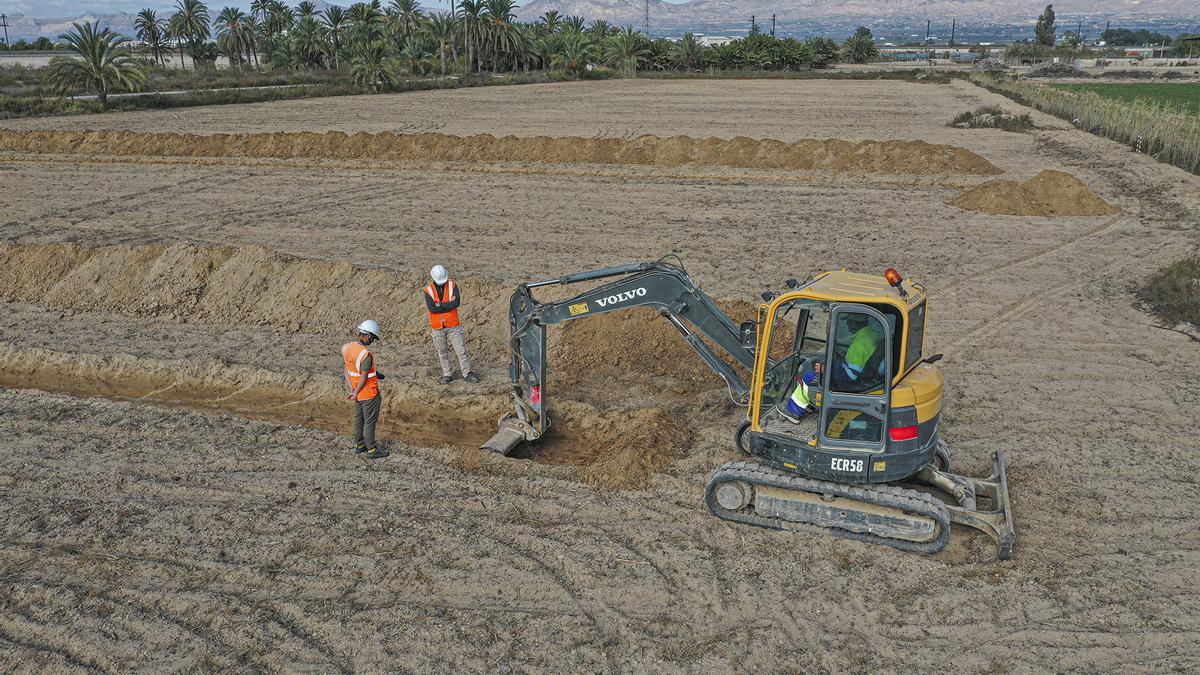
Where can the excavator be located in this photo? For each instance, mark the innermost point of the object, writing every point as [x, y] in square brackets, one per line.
[842, 405]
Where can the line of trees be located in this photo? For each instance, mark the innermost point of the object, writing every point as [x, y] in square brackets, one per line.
[379, 42]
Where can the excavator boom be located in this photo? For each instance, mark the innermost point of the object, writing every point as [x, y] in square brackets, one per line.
[661, 285]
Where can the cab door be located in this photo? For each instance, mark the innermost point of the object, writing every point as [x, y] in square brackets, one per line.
[856, 381]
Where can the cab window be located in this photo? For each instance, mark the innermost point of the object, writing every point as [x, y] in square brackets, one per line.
[859, 351]
[916, 335]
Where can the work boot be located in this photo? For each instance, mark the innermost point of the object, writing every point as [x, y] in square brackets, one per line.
[376, 453]
[447, 379]
[359, 449]
[472, 378]
[785, 414]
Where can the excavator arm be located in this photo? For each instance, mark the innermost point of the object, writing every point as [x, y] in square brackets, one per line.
[664, 286]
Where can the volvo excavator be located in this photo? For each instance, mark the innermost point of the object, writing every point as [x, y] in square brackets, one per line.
[842, 405]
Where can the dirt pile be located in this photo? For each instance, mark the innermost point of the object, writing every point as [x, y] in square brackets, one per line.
[1056, 70]
[644, 443]
[236, 286]
[638, 342]
[1050, 193]
[895, 156]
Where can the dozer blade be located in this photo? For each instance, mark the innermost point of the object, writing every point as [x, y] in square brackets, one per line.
[513, 431]
[996, 521]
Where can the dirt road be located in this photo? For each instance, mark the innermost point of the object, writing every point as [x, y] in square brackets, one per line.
[179, 490]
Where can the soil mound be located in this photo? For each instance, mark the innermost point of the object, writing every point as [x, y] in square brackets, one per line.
[1050, 193]
[893, 156]
[645, 443]
[637, 342]
[234, 286]
[1056, 70]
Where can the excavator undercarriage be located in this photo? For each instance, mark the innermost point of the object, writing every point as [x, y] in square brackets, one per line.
[896, 489]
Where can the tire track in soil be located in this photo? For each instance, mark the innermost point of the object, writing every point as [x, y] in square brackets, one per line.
[1103, 228]
[136, 598]
[64, 654]
[560, 580]
[301, 635]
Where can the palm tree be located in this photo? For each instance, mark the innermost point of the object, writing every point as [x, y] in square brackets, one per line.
[413, 57]
[600, 29]
[192, 16]
[500, 17]
[152, 31]
[628, 50]
[688, 52]
[860, 47]
[472, 25]
[442, 28]
[369, 70]
[573, 24]
[577, 52]
[408, 16]
[335, 20]
[550, 21]
[366, 24]
[250, 30]
[231, 34]
[259, 9]
[102, 67]
[309, 42]
[306, 8]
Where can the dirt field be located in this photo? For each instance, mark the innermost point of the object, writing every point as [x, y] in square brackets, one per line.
[179, 489]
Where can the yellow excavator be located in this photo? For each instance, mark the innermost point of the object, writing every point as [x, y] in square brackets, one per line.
[842, 406]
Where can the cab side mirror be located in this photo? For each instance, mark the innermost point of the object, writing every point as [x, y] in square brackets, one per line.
[749, 331]
[933, 359]
[792, 283]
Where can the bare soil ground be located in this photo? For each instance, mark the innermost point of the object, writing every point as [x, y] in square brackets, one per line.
[179, 492]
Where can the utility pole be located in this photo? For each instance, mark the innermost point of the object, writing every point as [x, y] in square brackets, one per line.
[4, 22]
[953, 25]
[646, 26]
[928, 54]
[772, 25]
[752, 24]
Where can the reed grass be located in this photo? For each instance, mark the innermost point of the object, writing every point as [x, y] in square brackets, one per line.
[1168, 133]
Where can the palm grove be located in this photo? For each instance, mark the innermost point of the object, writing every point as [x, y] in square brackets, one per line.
[376, 45]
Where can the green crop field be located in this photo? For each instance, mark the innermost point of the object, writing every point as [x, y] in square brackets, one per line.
[1175, 95]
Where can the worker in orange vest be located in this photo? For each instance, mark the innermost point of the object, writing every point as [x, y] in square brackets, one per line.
[442, 298]
[362, 383]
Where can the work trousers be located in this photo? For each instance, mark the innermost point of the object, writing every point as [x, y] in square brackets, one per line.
[455, 337]
[366, 414]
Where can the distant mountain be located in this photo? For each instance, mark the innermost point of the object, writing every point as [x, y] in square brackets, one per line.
[699, 12]
[21, 27]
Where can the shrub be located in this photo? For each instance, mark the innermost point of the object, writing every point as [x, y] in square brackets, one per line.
[992, 117]
[1173, 292]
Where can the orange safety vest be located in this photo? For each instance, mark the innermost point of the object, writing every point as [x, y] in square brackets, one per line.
[354, 353]
[445, 319]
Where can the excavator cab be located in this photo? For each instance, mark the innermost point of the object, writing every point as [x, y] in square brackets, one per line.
[840, 391]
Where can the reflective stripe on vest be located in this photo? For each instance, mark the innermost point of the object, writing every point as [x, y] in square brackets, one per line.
[441, 320]
[353, 354]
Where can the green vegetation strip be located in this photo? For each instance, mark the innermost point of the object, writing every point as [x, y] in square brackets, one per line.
[1157, 129]
[1182, 96]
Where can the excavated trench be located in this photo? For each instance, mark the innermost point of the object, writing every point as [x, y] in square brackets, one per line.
[610, 437]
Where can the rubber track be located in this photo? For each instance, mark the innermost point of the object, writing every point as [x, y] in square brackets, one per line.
[909, 501]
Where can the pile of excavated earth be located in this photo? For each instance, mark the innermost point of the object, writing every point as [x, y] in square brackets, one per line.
[879, 156]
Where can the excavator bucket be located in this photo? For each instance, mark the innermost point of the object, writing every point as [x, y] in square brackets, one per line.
[512, 433]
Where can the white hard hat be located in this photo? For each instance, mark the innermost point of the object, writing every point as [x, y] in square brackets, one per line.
[439, 274]
[369, 326]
